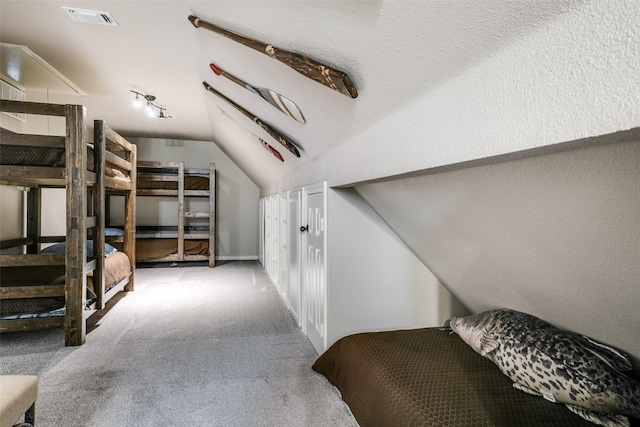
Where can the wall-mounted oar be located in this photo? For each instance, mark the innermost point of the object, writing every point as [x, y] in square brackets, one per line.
[323, 74]
[283, 104]
[264, 143]
[286, 142]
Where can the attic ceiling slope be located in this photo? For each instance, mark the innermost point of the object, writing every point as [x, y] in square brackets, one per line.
[571, 77]
[395, 52]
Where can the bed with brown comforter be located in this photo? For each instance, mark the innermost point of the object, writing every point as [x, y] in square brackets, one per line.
[117, 267]
[428, 377]
[149, 250]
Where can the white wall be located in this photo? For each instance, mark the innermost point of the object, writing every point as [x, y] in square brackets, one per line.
[11, 214]
[54, 217]
[374, 281]
[237, 196]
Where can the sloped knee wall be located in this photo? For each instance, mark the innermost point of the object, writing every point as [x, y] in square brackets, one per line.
[556, 235]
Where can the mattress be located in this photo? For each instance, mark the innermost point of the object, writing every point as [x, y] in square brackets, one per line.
[428, 377]
[150, 249]
[191, 182]
[117, 267]
[18, 155]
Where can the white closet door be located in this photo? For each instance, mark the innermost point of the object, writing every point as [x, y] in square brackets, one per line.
[315, 293]
[268, 235]
[275, 238]
[283, 280]
[295, 235]
[261, 230]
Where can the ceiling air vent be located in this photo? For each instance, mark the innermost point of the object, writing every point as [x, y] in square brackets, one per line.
[90, 16]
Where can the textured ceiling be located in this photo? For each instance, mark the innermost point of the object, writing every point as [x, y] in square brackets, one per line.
[393, 51]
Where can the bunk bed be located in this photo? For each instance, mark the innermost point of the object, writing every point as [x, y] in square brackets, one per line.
[42, 288]
[194, 236]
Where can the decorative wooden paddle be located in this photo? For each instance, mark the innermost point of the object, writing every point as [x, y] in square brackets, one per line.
[286, 142]
[323, 74]
[283, 104]
[264, 143]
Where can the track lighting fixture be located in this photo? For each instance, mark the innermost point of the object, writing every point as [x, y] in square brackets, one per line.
[162, 115]
[148, 101]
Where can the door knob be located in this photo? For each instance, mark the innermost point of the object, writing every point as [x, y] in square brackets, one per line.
[304, 228]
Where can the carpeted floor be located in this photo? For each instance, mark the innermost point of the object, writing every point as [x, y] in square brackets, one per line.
[190, 346]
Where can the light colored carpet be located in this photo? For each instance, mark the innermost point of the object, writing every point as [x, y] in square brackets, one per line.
[191, 346]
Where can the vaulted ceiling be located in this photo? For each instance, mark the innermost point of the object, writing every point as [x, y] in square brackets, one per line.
[393, 51]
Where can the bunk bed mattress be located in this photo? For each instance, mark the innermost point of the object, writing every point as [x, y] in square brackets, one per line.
[150, 249]
[116, 268]
[192, 182]
[428, 377]
[19, 155]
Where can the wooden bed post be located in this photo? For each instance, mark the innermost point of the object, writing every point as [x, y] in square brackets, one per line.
[99, 204]
[212, 215]
[130, 218]
[76, 238]
[34, 229]
[181, 211]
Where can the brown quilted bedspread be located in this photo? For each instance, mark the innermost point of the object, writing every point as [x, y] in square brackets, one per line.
[427, 377]
[149, 249]
[116, 268]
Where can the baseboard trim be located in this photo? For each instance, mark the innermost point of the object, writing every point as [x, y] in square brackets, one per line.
[237, 258]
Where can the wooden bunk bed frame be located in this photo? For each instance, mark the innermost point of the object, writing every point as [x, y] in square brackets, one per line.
[155, 172]
[85, 206]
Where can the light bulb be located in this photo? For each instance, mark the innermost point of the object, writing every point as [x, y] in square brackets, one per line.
[137, 102]
[149, 109]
